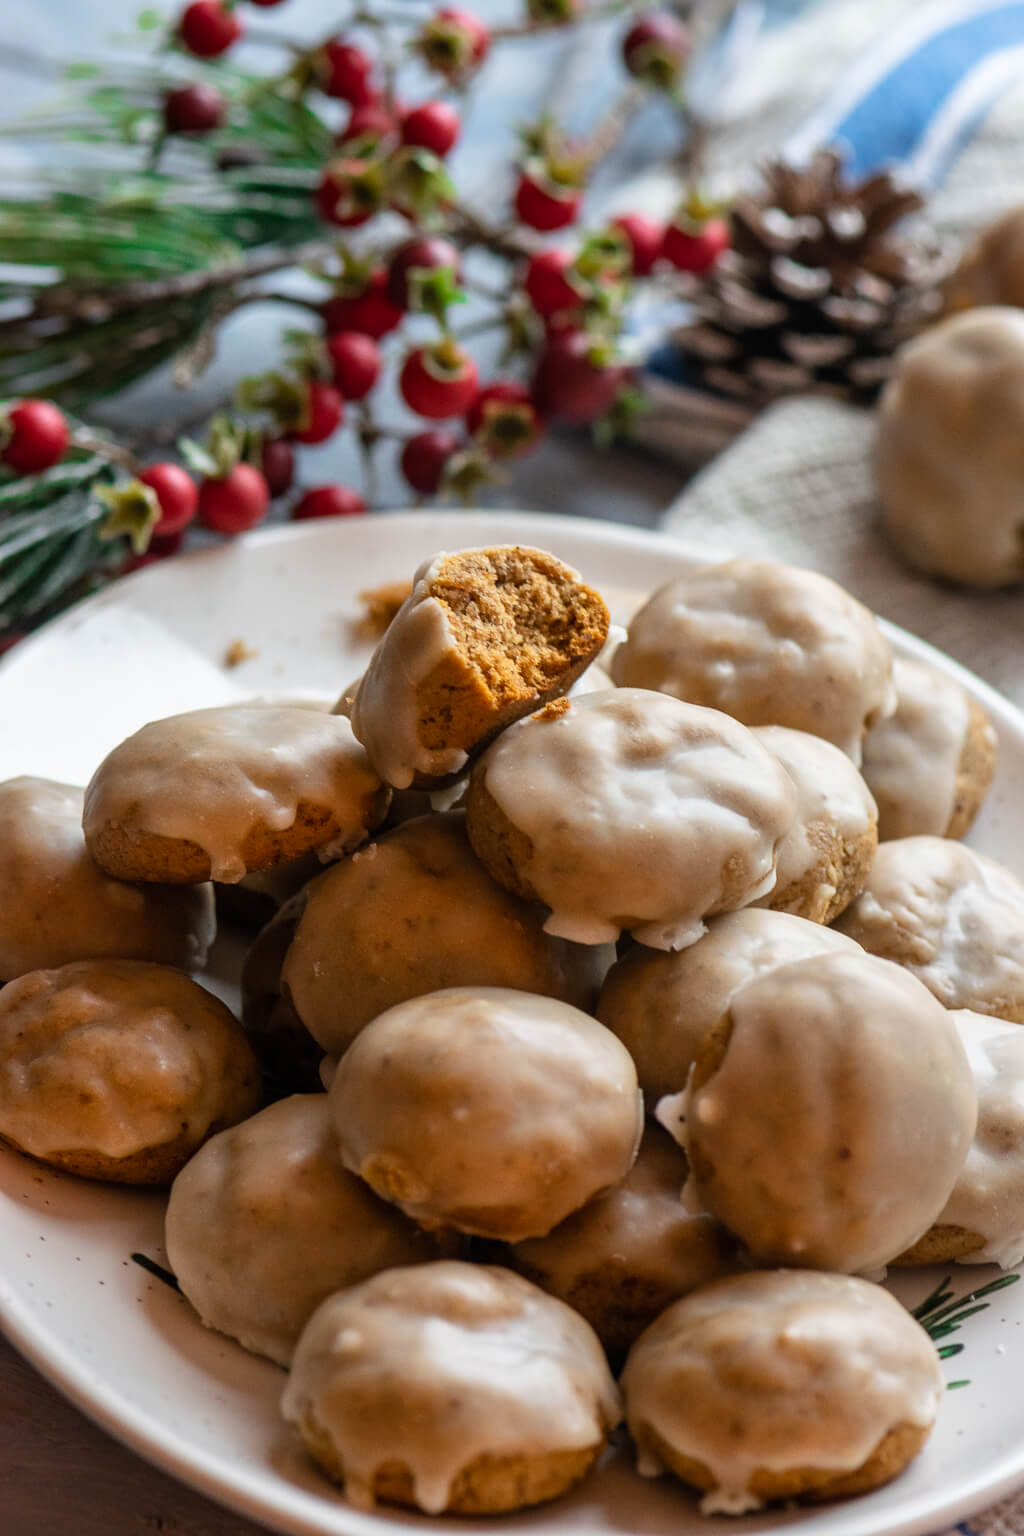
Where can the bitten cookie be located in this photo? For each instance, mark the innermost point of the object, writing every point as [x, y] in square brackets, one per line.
[453, 1388]
[119, 1070]
[769, 644]
[630, 809]
[492, 1111]
[221, 792]
[782, 1385]
[487, 635]
[930, 764]
[57, 905]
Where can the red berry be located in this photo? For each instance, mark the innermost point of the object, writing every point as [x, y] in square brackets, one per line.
[439, 381]
[655, 49]
[161, 546]
[235, 501]
[645, 238]
[267, 3]
[9, 640]
[328, 501]
[195, 108]
[355, 360]
[207, 29]
[373, 120]
[547, 205]
[547, 286]
[176, 492]
[425, 253]
[39, 437]
[570, 383]
[277, 462]
[349, 193]
[424, 458]
[346, 73]
[454, 42]
[505, 420]
[370, 311]
[432, 125]
[325, 412]
[695, 247]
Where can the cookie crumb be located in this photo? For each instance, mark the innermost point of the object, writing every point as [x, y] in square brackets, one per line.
[237, 652]
[553, 708]
[380, 604]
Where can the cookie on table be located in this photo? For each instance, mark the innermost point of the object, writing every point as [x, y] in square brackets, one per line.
[622, 1259]
[769, 644]
[451, 1388]
[844, 1084]
[951, 916]
[264, 1223]
[662, 1003]
[824, 858]
[486, 636]
[630, 810]
[495, 1112]
[782, 1384]
[57, 905]
[219, 793]
[930, 764]
[119, 1070]
[416, 912]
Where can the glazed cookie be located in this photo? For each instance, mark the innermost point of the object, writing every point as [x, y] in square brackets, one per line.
[824, 858]
[486, 636]
[951, 916]
[57, 905]
[769, 644]
[222, 792]
[492, 1111]
[661, 1005]
[930, 764]
[829, 1114]
[453, 1388]
[119, 1070]
[626, 1256]
[630, 809]
[270, 1201]
[991, 270]
[416, 912]
[287, 1053]
[782, 1385]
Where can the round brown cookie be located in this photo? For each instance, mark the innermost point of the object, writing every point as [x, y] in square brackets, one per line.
[451, 1387]
[118, 1070]
[782, 1384]
[57, 905]
[941, 1244]
[974, 771]
[486, 636]
[287, 1053]
[222, 792]
[416, 912]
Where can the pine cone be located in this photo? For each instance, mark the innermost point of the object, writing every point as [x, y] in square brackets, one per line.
[816, 293]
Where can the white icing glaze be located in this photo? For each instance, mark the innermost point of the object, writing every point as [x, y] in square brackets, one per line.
[57, 905]
[642, 812]
[493, 1111]
[116, 1056]
[911, 759]
[951, 916]
[835, 811]
[770, 644]
[438, 1366]
[833, 1129]
[270, 1201]
[778, 1371]
[213, 776]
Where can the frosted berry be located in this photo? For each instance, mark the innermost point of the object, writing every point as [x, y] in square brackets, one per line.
[424, 458]
[433, 125]
[369, 310]
[655, 49]
[425, 253]
[645, 237]
[504, 420]
[350, 192]
[324, 414]
[454, 42]
[439, 381]
[195, 108]
[547, 283]
[208, 29]
[695, 245]
[36, 436]
[328, 501]
[234, 502]
[573, 381]
[546, 205]
[372, 121]
[355, 363]
[177, 494]
[277, 462]
[346, 73]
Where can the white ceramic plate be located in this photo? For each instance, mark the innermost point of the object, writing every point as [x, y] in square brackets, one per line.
[127, 1349]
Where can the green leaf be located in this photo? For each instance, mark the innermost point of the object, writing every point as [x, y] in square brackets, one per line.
[81, 69]
[149, 20]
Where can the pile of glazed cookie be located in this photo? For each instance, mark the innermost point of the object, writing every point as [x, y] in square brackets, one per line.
[555, 899]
